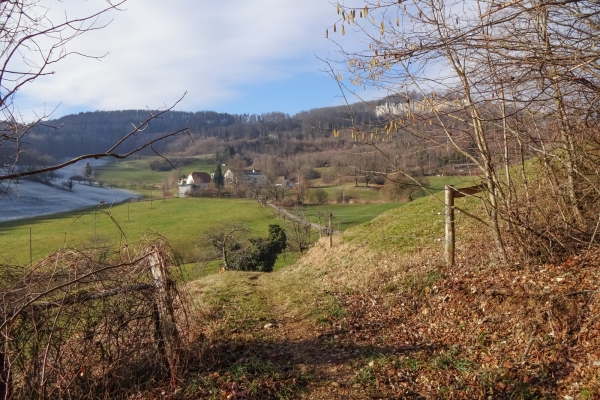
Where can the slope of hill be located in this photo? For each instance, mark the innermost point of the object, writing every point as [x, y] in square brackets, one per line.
[28, 199]
[380, 316]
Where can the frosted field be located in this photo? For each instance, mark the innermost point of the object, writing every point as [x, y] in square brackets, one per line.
[30, 199]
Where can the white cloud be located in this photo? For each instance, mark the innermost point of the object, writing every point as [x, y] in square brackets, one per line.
[157, 50]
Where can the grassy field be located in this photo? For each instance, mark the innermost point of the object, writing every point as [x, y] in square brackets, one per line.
[349, 192]
[183, 221]
[347, 215]
[136, 174]
[374, 193]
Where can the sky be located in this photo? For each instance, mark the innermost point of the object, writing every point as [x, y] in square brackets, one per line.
[235, 56]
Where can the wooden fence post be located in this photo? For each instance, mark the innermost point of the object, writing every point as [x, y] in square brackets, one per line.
[450, 194]
[449, 225]
[330, 230]
[319, 215]
[166, 326]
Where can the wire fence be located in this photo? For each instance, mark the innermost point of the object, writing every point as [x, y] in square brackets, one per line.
[27, 244]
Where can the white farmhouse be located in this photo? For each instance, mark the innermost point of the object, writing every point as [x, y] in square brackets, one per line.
[195, 181]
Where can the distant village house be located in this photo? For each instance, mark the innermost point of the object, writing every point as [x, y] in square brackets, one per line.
[250, 176]
[194, 181]
[284, 183]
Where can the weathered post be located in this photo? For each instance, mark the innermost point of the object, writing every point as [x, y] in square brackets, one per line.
[164, 315]
[319, 215]
[449, 224]
[330, 230]
[452, 193]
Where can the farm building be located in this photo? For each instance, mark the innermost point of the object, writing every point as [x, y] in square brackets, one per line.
[194, 181]
[250, 176]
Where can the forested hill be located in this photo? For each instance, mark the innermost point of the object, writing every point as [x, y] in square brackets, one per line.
[274, 141]
[97, 131]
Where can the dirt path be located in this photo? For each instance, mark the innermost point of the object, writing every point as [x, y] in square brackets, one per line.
[310, 348]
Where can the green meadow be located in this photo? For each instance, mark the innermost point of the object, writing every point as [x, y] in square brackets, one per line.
[347, 215]
[136, 174]
[183, 221]
[349, 192]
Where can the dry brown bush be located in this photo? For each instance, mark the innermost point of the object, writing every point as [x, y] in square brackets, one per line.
[75, 327]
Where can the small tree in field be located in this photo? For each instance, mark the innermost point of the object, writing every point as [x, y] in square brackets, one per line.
[299, 232]
[319, 195]
[69, 184]
[251, 254]
[87, 171]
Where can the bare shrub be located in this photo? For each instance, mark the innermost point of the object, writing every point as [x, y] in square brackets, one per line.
[319, 196]
[342, 197]
[299, 230]
[75, 327]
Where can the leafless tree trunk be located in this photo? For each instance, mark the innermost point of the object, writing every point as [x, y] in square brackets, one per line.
[505, 86]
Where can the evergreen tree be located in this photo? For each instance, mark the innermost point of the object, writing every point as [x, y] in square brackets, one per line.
[87, 172]
[218, 178]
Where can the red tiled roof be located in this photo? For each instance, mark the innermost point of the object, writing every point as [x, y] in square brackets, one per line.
[200, 177]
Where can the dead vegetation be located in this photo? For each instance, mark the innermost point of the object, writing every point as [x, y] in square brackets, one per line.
[78, 326]
[379, 315]
[467, 333]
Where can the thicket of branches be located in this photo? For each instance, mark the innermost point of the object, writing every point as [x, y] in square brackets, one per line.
[512, 87]
[242, 253]
[74, 326]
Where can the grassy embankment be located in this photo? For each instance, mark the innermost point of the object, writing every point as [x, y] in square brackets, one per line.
[380, 314]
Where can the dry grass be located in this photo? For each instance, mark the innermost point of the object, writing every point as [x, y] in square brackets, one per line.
[364, 320]
[370, 317]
